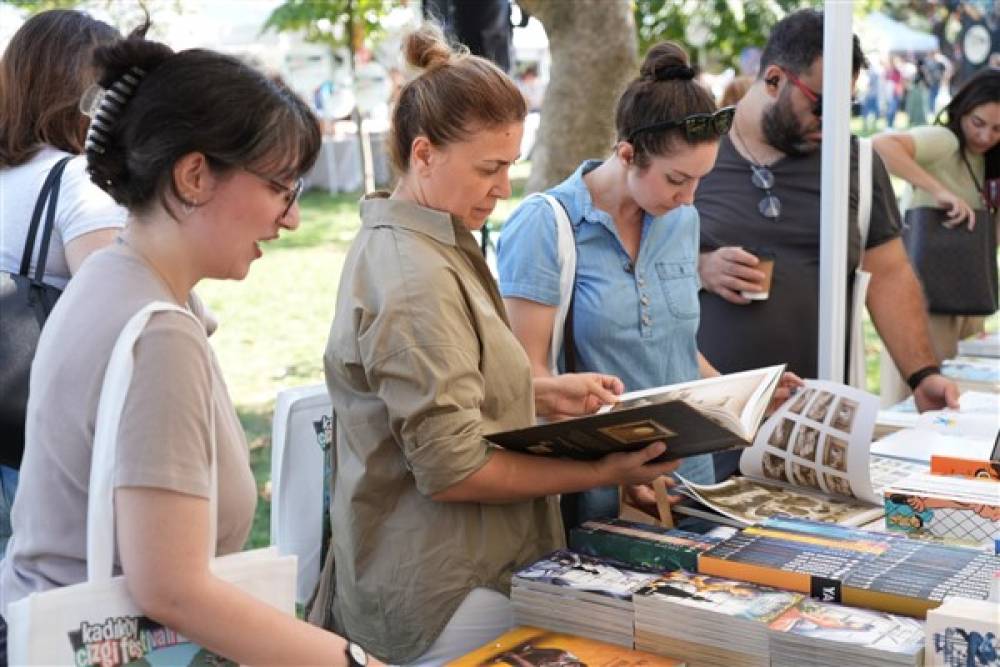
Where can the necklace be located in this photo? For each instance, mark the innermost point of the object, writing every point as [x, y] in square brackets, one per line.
[746, 147]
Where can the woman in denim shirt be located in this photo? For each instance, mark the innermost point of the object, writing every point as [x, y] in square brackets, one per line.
[635, 296]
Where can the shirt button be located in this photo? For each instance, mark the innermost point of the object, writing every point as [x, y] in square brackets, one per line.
[640, 282]
[644, 300]
[629, 268]
[647, 320]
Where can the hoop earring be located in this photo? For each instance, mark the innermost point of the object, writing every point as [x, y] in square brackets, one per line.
[187, 208]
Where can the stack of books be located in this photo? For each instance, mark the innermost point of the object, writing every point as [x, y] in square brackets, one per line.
[981, 345]
[640, 545]
[708, 620]
[578, 594]
[975, 373]
[532, 646]
[880, 571]
[819, 634]
[963, 633]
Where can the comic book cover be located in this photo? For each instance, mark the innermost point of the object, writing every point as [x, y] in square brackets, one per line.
[970, 468]
[861, 627]
[945, 507]
[572, 572]
[964, 632]
[724, 596]
[532, 647]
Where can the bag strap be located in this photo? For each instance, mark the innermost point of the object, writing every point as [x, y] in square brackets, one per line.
[100, 501]
[562, 338]
[864, 191]
[48, 194]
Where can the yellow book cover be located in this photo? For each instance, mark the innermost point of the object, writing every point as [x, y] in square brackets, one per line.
[532, 647]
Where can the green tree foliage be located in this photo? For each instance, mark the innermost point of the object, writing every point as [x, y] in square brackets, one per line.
[330, 21]
[729, 26]
[34, 6]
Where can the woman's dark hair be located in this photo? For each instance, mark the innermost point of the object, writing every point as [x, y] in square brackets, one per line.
[192, 101]
[665, 90]
[456, 94]
[44, 71]
[982, 88]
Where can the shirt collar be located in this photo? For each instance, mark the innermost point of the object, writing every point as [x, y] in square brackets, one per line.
[377, 210]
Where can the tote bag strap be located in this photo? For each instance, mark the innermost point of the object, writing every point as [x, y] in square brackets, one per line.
[48, 194]
[864, 190]
[100, 501]
[566, 253]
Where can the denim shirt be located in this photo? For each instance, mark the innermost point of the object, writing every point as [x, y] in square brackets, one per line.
[638, 322]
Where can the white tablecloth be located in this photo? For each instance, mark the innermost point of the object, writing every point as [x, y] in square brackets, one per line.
[338, 167]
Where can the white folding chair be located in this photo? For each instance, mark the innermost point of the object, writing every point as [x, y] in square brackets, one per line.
[301, 431]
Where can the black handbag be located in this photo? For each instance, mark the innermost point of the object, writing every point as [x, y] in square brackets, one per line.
[958, 268]
[25, 303]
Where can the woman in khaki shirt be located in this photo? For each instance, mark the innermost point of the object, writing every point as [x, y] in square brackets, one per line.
[429, 521]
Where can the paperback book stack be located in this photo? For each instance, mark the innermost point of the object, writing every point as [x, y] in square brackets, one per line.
[641, 546]
[707, 620]
[578, 594]
[881, 571]
[818, 634]
[964, 633]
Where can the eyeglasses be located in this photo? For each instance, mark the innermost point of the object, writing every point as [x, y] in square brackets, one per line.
[770, 205]
[697, 126]
[811, 95]
[291, 193]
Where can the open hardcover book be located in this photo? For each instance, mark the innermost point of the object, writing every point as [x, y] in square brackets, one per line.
[692, 418]
[810, 460]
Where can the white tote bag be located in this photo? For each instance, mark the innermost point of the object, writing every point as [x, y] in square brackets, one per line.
[566, 254]
[96, 622]
[857, 366]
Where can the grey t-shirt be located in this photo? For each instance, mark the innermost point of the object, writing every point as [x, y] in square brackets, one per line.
[784, 328]
[163, 438]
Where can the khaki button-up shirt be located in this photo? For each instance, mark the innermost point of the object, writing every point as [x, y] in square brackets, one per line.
[420, 364]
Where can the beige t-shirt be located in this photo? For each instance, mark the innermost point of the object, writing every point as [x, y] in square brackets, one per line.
[937, 152]
[421, 362]
[163, 439]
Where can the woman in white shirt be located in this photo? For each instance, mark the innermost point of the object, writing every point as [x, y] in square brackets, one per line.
[43, 73]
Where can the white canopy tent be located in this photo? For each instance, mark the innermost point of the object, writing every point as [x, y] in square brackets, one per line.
[880, 33]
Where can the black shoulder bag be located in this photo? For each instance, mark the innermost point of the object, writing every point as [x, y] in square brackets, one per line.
[25, 303]
[957, 268]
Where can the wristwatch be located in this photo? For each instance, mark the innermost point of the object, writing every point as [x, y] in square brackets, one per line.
[356, 656]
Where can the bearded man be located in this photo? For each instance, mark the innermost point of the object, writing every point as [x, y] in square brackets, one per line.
[764, 195]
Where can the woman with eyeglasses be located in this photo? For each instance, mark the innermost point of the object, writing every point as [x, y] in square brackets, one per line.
[633, 302]
[205, 188]
[952, 165]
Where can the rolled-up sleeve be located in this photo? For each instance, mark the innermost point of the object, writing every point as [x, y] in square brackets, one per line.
[527, 254]
[432, 394]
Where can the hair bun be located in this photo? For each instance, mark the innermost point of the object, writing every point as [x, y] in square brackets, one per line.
[666, 61]
[426, 47]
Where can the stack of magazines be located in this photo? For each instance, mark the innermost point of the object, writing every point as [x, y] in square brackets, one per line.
[708, 620]
[582, 595]
[821, 633]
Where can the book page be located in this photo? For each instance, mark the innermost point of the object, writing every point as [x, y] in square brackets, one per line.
[748, 501]
[819, 440]
[732, 401]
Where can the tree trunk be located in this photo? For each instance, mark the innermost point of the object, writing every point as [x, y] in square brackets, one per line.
[594, 56]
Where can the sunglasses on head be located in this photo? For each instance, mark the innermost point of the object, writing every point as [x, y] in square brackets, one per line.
[697, 126]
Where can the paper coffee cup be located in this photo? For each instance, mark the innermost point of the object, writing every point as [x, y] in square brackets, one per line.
[766, 266]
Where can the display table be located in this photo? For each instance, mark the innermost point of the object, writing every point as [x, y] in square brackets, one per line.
[338, 167]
